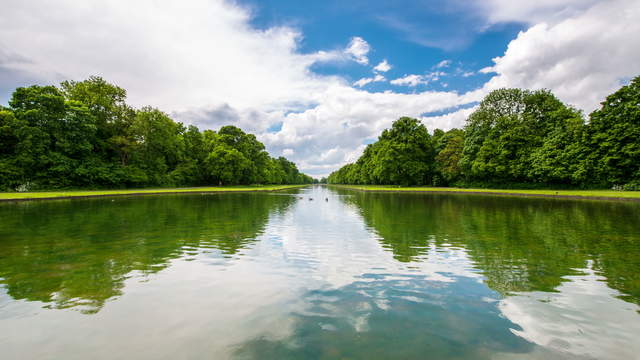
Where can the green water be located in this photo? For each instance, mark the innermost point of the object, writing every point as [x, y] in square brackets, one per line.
[360, 276]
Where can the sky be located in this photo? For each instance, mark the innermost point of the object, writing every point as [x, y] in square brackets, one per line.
[317, 81]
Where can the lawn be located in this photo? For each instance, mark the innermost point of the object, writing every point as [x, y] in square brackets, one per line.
[595, 194]
[8, 196]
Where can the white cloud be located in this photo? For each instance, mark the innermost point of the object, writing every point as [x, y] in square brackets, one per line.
[414, 80]
[410, 80]
[532, 12]
[443, 64]
[435, 76]
[454, 119]
[358, 49]
[288, 152]
[169, 55]
[384, 66]
[582, 58]
[364, 81]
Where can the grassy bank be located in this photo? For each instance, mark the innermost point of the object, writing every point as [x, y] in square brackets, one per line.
[45, 195]
[572, 194]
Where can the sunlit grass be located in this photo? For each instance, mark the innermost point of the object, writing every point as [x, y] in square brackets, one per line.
[81, 193]
[562, 193]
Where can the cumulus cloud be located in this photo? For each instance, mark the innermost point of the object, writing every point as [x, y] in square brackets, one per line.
[581, 59]
[384, 66]
[358, 49]
[169, 55]
[364, 81]
[453, 119]
[414, 80]
[443, 64]
[532, 12]
[410, 80]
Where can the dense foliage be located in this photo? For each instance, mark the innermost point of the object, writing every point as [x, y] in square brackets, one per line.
[516, 138]
[83, 134]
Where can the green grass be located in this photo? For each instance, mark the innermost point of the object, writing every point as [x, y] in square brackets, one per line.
[85, 193]
[600, 194]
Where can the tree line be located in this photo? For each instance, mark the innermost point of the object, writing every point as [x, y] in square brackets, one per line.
[515, 138]
[84, 135]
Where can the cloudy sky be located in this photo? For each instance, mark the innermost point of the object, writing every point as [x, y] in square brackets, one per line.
[318, 80]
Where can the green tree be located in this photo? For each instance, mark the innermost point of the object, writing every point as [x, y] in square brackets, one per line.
[613, 137]
[226, 164]
[113, 116]
[507, 128]
[83, 134]
[11, 174]
[157, 146]
[449, 152]
[402, 155]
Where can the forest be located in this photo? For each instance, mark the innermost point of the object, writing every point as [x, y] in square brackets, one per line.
[514, 139]
[84, 135]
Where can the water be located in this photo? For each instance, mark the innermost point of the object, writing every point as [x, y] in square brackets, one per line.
[360, 276]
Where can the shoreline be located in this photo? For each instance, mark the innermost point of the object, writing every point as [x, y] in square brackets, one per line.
[85, 194]
[610, 195]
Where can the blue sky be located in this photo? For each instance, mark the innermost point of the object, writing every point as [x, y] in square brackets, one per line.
[306, 76]
[413, 36]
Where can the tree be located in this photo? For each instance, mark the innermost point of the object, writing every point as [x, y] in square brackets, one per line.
[449, 152]
[113, 116]
[11, 174]
[225, 165]
[612, 138]
[402, 155]
[250, 148]
[83, 134]
[508, 127]
[157, 148]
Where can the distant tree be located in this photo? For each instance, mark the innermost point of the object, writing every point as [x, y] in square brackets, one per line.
[225, 165]
[402, 155]
[449, 149]
[515, 138]
[503, 137]
[113, 116]
[613, 138]
[157, 149]
[405, 154]
[251, 149]
[11, 173]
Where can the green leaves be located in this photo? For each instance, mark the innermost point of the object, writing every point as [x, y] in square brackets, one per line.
[403, 155]
[227, 165]
[519, 136]
[515, 138]
[614, 137]
[85, 135]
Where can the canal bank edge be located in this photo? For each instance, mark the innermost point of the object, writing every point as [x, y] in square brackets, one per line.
[50, 195]
[561, 194]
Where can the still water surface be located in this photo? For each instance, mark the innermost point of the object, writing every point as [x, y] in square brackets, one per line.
[360, 276]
